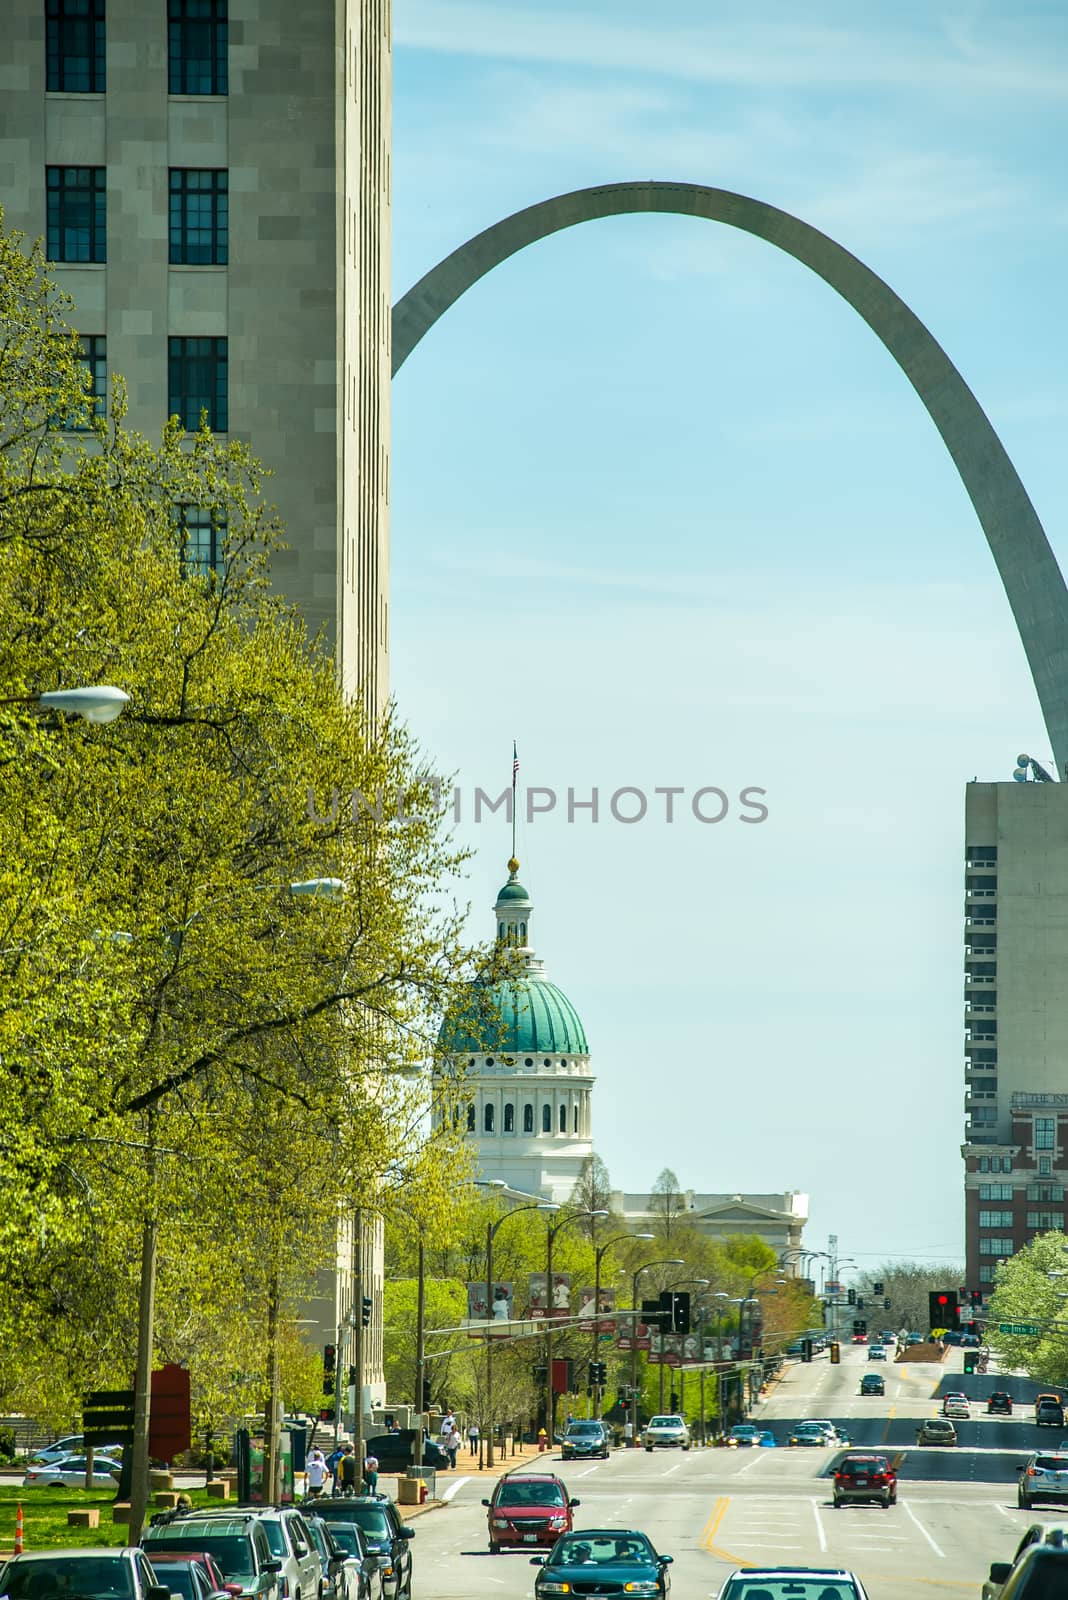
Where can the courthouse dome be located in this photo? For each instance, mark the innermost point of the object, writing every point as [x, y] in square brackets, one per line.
[517, 1016]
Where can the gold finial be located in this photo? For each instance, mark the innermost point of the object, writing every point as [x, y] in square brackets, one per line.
[513, 866]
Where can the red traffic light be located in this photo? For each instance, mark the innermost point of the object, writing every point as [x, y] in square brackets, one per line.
[942, 1299]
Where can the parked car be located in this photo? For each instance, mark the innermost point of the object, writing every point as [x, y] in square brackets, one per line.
[96, 1570]
[396, 1451]
[666, 1433]
[585, 1439]
[287, 1534]
[531, 1508]
[235, 1538]
[873, 1383]
[73, 1444]
[999, 1401]
[70, 1472]
[937, 1430]
[603, 1561]
[364, 1570]
[863, 1478]
[195, 1576]
[1043, 1476]
[384, 1535]
[341, 1577]
[792, 1583]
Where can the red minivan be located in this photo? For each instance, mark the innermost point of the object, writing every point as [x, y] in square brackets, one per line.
[528, 1509]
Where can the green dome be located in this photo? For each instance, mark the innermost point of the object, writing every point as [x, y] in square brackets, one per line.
[524, 1016]
[512, 891]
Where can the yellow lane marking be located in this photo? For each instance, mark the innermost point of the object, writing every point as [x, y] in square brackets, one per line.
[889, 1419]
[707, 1541]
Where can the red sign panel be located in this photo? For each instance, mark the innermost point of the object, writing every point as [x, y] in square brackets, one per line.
[168, 1421]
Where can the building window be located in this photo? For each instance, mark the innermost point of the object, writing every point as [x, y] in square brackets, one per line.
[563, 1119]
[509, 1119]
[996, 1247]
[92, 359]
[197, 382]
[201, 533]
[985, 1114]
[470, 1119]
[1045, 1191]
[984, 1163]
[487, 1117]
[528, 1119]
[74, 46]
[996, 1219]
[574, 1121]
[981, 855]
[77, 213]
[986, 1274]
[1006, 1164]
[1045, 1166]
[197, 46]
[998, 1191]
[546, 1119]
[199, 216]
[1045, 1131]
[1045, 1220]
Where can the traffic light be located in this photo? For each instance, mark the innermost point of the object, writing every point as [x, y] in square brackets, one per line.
[851, 1297]
[352, 1377]
[835, 1352]
[328, 1383]
[326, 1414]
[943, 1308]
[886, 1302]
[860, 1303]
[674, 1406]
[426, 1394]
[859, 1325]
[599, 1373]
[806, 1349]
[541, 1372]
[971, 1360]
[365, 1311]
[329, 1367]
[977, 1297]
[877, 1289]
[674, 1307]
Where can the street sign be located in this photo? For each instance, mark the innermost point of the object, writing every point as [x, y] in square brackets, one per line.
[1029, 1330]
[107, 1417]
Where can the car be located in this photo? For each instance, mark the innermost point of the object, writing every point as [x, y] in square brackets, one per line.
[589, 1438]
[1049, 1411]
[92, 1571]
[1041, 1573]
[192, 1577]
[937, 1430]
[530, 1508]
[604, 1561]
[666, 1433]
[953, 1398]
[795, 1349]
[768, 1441]
[864, 1478]
[341, 1572]
[287, 1533]
[817, 1433]
[889, 1337]
[384, 1535]
[873, 1383]
[235, 1538]
[860, 1338]
[1037, 1533]
[999, 1401]
[957, 1407]
[70, 1472]
[363, 1570]
[793, 1583]
[742, 1435]
[73, 1444]
[914, 1338]
[396, 1451]
[1043, 1476]
[876, 1352]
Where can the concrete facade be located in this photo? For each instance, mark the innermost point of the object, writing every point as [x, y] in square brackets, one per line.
[1016, 1018]
[303, 299]
[778, 1219]
[1029, 572]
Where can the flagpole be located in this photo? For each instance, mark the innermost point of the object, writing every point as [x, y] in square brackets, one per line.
[515, 771]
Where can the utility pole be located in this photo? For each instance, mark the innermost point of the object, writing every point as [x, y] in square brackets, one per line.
[146, 1313]
[272, 1451]
[420, 1361]
[357, 1338]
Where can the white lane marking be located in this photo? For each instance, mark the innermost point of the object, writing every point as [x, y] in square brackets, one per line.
[670, 1470]
[909, 1512]
[819, 1524]
[751, 1464]
[1005, 1512]
[451, 1490]
[584, 1474]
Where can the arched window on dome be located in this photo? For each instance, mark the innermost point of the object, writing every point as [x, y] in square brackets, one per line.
[563, 1119]
[574, 1119]
[528, 1119]
[470, 1119]
[500, 930]
[509, 1118]
[487, 1117]
[546, 1119]
[523, 932]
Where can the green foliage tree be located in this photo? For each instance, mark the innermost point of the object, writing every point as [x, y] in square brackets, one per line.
[1032, 1287]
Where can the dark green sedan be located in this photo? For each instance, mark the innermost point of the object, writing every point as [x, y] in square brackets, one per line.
[602, 1561]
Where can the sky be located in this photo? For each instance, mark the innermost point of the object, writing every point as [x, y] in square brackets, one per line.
[667, 514]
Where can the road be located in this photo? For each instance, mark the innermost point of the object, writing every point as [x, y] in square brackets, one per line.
[714, 1510]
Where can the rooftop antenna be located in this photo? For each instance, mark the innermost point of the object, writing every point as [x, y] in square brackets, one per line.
[1037, 771]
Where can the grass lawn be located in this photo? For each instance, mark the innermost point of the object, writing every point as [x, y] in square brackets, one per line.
[44, 1517]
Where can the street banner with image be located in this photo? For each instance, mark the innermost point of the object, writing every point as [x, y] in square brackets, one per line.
[607, 1308]
[587, 1305]
[476, 1302]
[539, 1299]
[561, 1297]
[633, 1335]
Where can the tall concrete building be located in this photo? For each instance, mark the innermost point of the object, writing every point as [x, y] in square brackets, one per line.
[1016, 1018]
[212, 182]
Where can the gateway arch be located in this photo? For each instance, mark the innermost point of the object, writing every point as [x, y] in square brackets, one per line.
[1030, 574]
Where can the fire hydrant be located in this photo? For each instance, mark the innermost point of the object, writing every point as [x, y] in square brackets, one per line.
[543, 1439]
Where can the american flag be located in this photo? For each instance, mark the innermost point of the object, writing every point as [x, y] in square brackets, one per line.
[515, 764]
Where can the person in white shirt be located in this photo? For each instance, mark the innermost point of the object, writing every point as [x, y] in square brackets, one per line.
[316, 1469]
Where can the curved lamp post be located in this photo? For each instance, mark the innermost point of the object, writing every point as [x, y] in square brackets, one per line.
[598, 1256]
[99, 702]
[491, 1234]
[675, 1261]
[550, 1238]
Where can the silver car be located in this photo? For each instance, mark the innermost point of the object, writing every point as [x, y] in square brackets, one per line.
[665, 1433]
[301, 1574]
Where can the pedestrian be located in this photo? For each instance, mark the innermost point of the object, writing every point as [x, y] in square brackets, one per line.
[316, 1470]
[332, 1465]
[570, 1418]
[628, 1433]
[370, 1475]
[472, 1437]
[452, 1445]
[347, 1471]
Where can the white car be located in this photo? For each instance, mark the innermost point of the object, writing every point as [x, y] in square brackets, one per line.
[70, 1473]
[72, 1445]
[292, 1545]
[664, 1433]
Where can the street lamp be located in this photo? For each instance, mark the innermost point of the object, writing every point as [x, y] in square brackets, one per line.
[675, 1261]
[697, 1283]
[550, 1238]
[598, 1256]
[491, 1234]
[100, 702]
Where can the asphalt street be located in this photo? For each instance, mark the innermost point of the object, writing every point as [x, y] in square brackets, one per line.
[714, 1510]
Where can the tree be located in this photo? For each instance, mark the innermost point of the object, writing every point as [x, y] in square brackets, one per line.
[906, 1284]
[1030, 1288]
